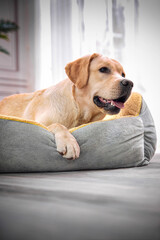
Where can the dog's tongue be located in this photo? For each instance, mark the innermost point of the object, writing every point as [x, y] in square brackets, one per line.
[118, 104]
[112, 102]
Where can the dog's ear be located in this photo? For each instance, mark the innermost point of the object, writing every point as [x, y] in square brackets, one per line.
[78, 70]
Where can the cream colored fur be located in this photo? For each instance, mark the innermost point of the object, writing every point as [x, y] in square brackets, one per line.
[70, 102]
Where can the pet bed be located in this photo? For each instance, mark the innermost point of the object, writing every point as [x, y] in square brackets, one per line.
[124, 140]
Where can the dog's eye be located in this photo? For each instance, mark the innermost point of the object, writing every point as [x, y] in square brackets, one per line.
[104, 70]
[123, 74]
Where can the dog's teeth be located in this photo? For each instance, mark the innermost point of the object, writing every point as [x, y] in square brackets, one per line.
[102, 99]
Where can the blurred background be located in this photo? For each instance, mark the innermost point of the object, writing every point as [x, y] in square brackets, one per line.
[53, 32]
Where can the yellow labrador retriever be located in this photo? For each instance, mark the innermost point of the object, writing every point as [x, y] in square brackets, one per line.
[96, 86]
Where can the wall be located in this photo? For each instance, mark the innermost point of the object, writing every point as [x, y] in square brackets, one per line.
[148, 58]
[17, 69]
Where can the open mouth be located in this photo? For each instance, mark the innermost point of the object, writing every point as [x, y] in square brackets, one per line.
[112, 106]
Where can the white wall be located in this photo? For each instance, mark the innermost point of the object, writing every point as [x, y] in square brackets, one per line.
[43, 47]
[149, 56]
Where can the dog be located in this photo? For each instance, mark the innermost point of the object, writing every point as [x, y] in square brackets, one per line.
[96, 86]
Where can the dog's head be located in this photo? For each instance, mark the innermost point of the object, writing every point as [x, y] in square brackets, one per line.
[103, 79]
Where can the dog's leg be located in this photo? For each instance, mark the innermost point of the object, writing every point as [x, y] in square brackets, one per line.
[67, 145]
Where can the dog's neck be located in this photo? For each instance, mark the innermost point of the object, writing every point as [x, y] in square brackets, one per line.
[78, 107]
[87, 111]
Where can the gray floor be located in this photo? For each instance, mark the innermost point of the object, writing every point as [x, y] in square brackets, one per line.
[109, 204]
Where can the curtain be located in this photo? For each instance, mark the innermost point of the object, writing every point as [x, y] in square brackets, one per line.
[81, 27]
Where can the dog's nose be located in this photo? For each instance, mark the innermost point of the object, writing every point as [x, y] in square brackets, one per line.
[126, 83]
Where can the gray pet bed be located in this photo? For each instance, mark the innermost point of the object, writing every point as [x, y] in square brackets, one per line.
[125, 140]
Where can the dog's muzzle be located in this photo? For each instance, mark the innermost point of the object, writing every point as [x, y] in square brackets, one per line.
[113, 106]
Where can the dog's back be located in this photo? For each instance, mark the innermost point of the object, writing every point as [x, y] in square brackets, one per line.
[15, 105]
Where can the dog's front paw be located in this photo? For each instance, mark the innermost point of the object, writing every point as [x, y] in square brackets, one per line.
[67, 145]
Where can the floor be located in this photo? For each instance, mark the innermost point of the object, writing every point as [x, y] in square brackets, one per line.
[83, 205]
